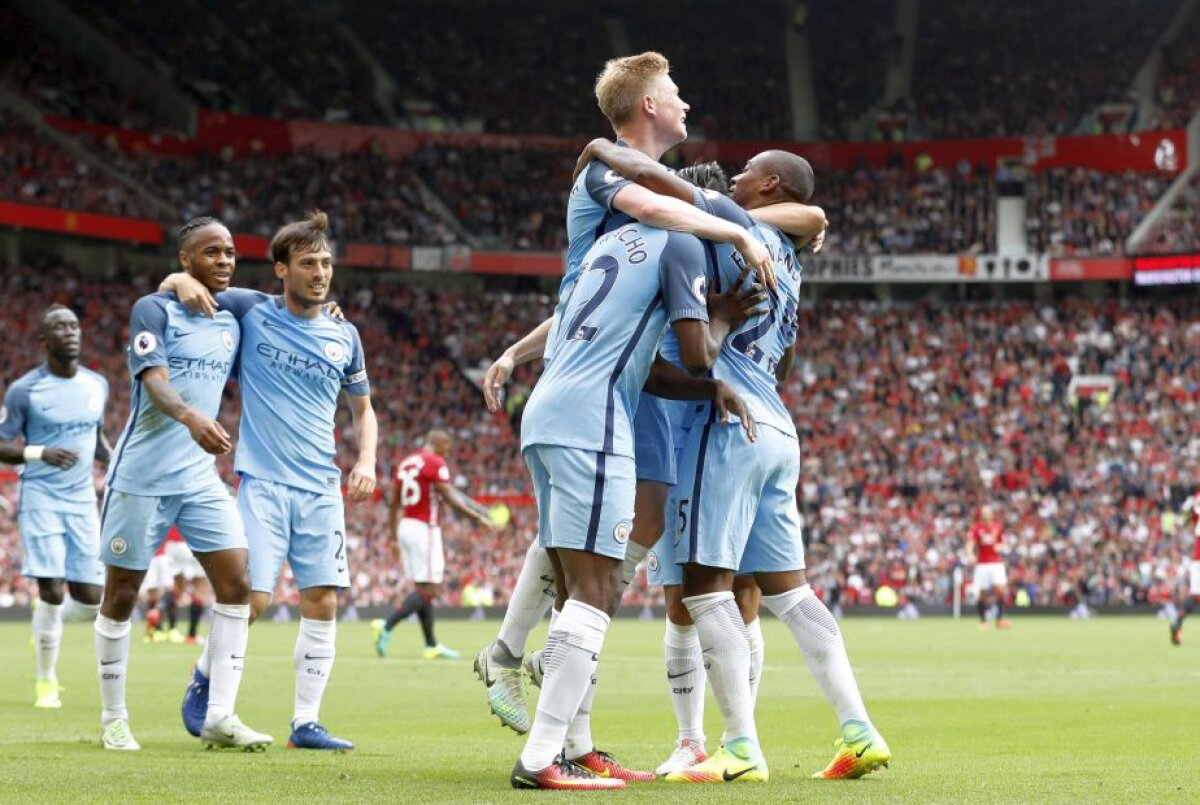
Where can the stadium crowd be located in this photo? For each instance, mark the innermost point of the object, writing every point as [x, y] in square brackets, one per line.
[911, 416]
[384, 63]
[509, 198]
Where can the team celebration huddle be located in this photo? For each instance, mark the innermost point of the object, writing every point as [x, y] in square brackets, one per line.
[655, 435]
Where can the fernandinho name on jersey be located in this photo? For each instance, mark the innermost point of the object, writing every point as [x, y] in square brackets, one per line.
[51, 411]
[751, 354]
[156, 455]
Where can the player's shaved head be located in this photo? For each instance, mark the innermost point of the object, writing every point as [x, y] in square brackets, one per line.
[796, 179]
[623, 83]
[707, 176]
[439, 440]
[772, 177]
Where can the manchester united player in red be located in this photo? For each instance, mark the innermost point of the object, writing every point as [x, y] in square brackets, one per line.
[1192, 507]
[991, 580]
[421, 479]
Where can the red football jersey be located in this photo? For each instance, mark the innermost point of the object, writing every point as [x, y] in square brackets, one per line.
[415, 476]
[986, 537]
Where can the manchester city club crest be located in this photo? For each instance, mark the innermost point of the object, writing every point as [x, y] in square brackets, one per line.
[621, 531]
[652, 561]
[95, 403]
[335, 352]
[227, 340]
[118, 546]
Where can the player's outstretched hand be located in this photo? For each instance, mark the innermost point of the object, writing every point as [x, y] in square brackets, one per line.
[758, 258]
[493, 382]
[194, 296]
[335, 311]
[728, 402]
[362, 482]
[60, 457]
[742, 301]
[209, 434]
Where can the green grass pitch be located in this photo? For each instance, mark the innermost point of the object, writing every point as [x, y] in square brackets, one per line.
[1053, 711]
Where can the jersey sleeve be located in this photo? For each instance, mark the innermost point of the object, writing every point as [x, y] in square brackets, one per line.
[683, 278]
[722, 207]
[147, 332]
[436, 471]
[354, 379]
[602, 183]
[14, 412]
[240, 301]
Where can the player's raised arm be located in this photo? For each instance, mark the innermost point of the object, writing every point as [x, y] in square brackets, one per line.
[805, 224]
[637, 167]
[531, 346]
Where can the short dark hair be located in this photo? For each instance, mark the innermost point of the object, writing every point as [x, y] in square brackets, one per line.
[796, 177]
[184, 235]
[307, 235]
[54, 308]
[707, 175]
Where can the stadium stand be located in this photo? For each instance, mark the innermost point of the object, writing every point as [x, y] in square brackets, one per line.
[910, 415]
[1062, 61]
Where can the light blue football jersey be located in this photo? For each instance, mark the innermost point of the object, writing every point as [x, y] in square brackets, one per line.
[291, 371]
[634, 282]
[751, 353]
[54, 411]
[156, 455]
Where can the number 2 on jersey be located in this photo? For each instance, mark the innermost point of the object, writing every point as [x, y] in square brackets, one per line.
[580, 330]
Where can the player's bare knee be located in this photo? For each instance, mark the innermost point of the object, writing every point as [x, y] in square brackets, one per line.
[677, 613]
[120, 598]
[319, 603]
[235, 590]
[86, 594]
[50, 591]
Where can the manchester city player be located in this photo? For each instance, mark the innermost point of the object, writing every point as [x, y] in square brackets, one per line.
[164, 473]
[643, 105]
[57, 409]
[806, 225]
[577, 438]
[295, 362]
[753, 526]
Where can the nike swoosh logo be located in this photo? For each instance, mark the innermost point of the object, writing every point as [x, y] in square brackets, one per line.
[341, 570]
[863, 751]
[729, 778]
[308, 656]
[236, 657]
[110, 662]
[676, 676]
